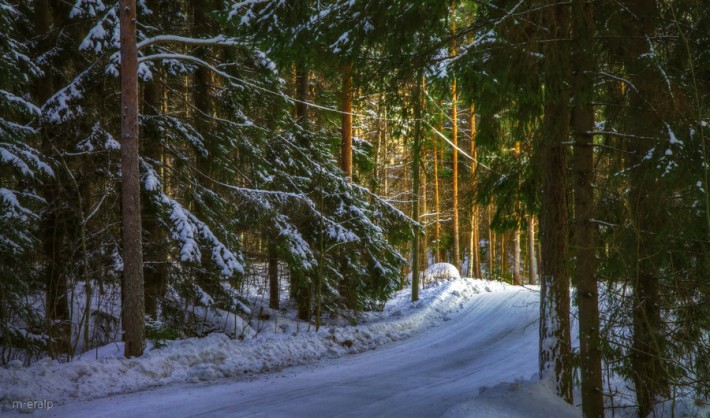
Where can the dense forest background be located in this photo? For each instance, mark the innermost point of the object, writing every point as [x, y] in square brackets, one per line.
[331, 150]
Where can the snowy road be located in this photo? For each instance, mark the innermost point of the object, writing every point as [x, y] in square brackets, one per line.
[492, 339]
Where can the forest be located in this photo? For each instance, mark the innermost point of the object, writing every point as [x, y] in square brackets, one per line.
[159, 156]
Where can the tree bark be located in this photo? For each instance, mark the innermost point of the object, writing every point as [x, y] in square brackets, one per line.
[424, 258]
[517, 276]
[502, 255]
[155, 268]
[455, 154]
[415, 186]
[133, 305]
[585, 233]
[648, 345]
[474, 269]
[532, 265]
[346, 129]
[302, 289]
[437, 200]
[491, 244]
[273, 278]
[53, 222]
[302, 86]
[555, 345]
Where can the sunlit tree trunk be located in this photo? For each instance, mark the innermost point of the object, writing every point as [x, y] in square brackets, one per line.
[474, 264]
[532, 263]
[302, 86]
[491, 244]
[415, 187]
[132, 308]
[437, 200]
[455, 155]
[346, 129]
[503, 256]
[424, 258]
[517, 276]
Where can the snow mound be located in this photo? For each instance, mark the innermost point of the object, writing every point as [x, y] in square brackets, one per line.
[105, 372]
[521, 399]
[440, 271]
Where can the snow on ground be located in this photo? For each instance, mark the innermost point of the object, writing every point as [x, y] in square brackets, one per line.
[465, 334]
[521, 399]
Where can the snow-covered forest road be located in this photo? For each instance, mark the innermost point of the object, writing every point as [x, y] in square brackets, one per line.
[493, 339]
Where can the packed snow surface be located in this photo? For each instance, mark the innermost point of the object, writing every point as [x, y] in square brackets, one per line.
[467, 348]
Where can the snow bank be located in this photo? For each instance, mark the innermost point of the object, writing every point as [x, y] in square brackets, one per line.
[522, 399]
[441, 271]
[217, 356]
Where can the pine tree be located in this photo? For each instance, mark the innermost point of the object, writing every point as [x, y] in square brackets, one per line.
[132, 306]
[555, 345]
[584, 230]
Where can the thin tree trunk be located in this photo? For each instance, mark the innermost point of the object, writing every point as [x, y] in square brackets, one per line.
[302, 86]
[154, 271]
[346, 130]
[132, 309]
[491, 244]
[273, 278]
[585, 251]
[424, 260]
[532, 264]
[503, 258]
[474, 246]
[437, 202]
[517, 276]
[53, 222]
[455, 154]
[415, 186]
[301, 289]
[555, 344]
[648, 351]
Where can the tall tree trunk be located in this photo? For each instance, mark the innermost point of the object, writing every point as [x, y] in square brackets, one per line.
[532, 265]
[155, 269]
[648, 345]
[132, 309]
[204, 109]
[273, 278]
[53, 222]
[503, 256]
[474, 269]
[585, 233]
[517, 276]
[302, 86]
[437, 200]
[415, 186]
[424, 258]
[346, 129]
[555, 345]
[301, 289]
[455, 154]
[491, 244]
